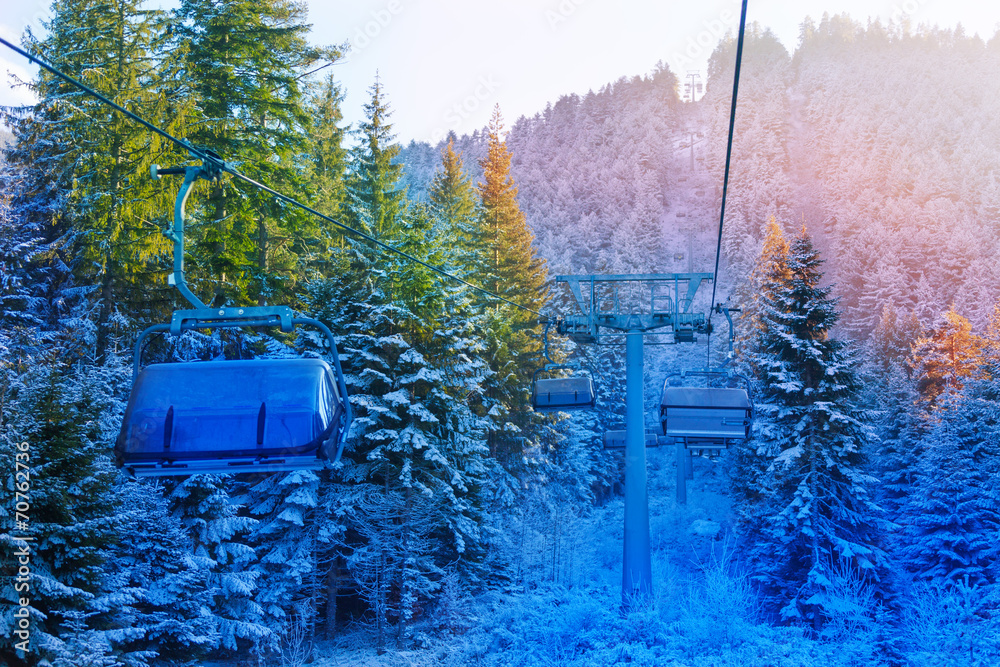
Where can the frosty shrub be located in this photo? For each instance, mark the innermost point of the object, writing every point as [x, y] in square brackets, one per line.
[851, 604]
[550, 625]
[297, 639]
[453, 615]
[951, 626]
[721, 612]
[853, 614]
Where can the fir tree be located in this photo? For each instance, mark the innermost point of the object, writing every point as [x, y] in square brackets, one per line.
[413, 471]
[83, 165]
[951, 515]
[453, 202]
[376, 199]
[73, 519]
[244, 61]
[900, 443]
[815, 510]
[751, 459]
[946, 358]
[173, 616]
[287, 586]
[218, 533]
[509, 267]
[328, 157]
[508, 262]
[326, 171]
[890, 343]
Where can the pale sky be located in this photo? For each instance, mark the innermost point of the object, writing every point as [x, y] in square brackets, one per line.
[445, 64]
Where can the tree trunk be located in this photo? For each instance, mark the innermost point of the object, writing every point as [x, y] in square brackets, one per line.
[332, 591]
[405, 604]
[262, 240]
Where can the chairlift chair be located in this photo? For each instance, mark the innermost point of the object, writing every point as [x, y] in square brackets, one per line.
[258, 415]
[232, 416]
[567, 393]
[560, 393]
[615, 439]
[706, 418]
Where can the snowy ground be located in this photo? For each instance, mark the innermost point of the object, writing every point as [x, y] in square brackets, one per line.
[702, 612]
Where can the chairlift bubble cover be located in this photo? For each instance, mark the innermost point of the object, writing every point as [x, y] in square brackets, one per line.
[273, 414]
[705, 413]
[575, 393]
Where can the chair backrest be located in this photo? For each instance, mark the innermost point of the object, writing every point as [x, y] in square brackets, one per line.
[705, 412]
[572, 393]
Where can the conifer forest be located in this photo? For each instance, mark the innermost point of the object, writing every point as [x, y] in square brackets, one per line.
[858, 524]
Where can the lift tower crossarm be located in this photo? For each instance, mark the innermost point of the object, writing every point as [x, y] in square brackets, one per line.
[669, 309]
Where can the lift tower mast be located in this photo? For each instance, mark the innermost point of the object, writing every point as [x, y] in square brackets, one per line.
[634, 305]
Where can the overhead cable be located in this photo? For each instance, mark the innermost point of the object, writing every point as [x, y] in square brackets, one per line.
[729, 152]
[207, 156]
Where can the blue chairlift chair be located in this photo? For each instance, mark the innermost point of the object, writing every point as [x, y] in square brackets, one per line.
[568, 393]
[560, 393]
[259, 415]
[706, 418]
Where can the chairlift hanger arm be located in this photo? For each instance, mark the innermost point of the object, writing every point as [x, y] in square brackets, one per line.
[719, 308]
[210, 170]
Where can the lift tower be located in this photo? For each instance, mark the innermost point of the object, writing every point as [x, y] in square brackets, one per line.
[634, 305]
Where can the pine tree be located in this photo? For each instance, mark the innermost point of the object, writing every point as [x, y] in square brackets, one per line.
[414, 472]
[815, 509]
[453, 203]
[949, 516]
[509, 267]
[244, 61]
[900, 442]
[18, 325]
[328, 157]
[84, 166]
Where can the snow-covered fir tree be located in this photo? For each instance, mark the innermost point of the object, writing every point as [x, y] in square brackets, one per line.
[218, 534]
[172, 617]
[74, 519]
[815, 515]
[951, 515]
